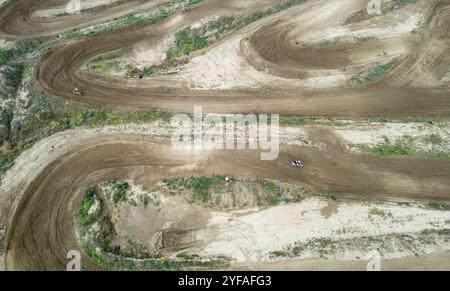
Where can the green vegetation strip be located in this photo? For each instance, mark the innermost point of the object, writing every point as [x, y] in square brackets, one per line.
[405, 147]
[438, 206]
[138, 19]
[327, 247]
[20, 49]
[210, 190]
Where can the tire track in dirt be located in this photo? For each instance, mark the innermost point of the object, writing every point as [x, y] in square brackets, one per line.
[59, 72]
[17, 21]
[42, 231]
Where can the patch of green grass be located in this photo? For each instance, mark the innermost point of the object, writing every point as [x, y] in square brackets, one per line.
[20, 49]
[120, 191]
[405, 2]
[298, 121]
[278, 254]
[146, 201]
[269, 186]
[92, 118]
[374, 73]
[274, 201]
[387, 148]
[210, 190]
[325, 43]
[139, 19]
[380, 212]
[15, 73]
[200, 186]
[438, 206]
[6, 117]
[106, 62]
[125, 261]
[103, 67]
[404, 146]
[83, 215]
[110, 56]
[187, 256]
[186, 41]
[6, 162]
[434, 139]
[364, 38]
[322, 246]
[307, 121]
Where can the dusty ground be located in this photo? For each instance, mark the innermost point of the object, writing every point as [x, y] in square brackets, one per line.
[253, 234]
[84, 157]
[62, 10]
[390, 96]
[297, 62]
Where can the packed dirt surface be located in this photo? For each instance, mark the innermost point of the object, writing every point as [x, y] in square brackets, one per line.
[41, 192]
[392, 96]
[17, 19]
[69, 162]
[65, 9]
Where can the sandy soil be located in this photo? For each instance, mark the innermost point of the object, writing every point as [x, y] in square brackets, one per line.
[78, 158]
[61, 10]
[391, 96]
[435, 262]
[4, 44]
[250, 235]
[18, 21]
[375, 133]
[285, 70]
[225, 67]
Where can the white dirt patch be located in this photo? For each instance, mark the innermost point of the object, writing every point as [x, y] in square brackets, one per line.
[84, 5]
[446, 78]
[374, 133]
[374, 31]
[6, 44]
[148, 53]
[219, 68]
[394, 24]
[251, 237]
[224, 67]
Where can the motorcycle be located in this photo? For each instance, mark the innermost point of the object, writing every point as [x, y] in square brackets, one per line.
[297, 164]
[77, 92]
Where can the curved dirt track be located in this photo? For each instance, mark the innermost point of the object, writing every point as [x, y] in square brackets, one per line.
[42, 231]
[17, 21]
[59, 72]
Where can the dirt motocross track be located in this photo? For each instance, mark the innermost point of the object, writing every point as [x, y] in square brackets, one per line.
[42, 231]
